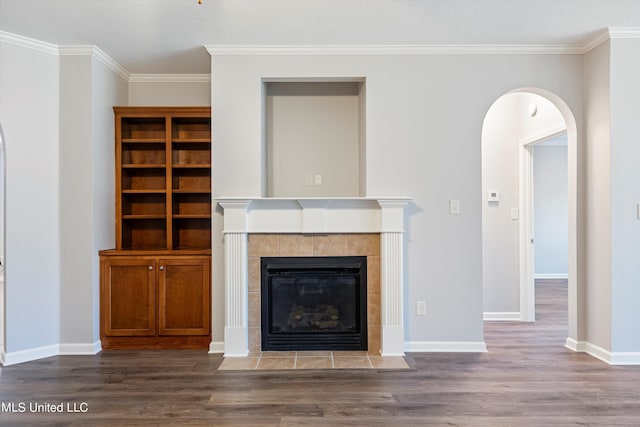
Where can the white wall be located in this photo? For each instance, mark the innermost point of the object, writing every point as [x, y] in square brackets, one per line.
[108, 89]
[89, 89]
[177, 91]
[29, 82]
[75, 189]
[625, 195]
[507, 123]
[550, 208]
[423, 126]
[598, 197]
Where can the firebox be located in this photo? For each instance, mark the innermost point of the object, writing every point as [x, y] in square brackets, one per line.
[314, 303]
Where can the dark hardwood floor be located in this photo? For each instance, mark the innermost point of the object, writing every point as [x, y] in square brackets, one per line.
[526, 379]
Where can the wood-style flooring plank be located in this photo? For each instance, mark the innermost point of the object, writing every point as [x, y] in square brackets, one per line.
[527, 378]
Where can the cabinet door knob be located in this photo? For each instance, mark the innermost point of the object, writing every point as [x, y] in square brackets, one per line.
[162, 268]
[150, 267]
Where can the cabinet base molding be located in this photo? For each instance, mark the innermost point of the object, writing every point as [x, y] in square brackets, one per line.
[155, 343]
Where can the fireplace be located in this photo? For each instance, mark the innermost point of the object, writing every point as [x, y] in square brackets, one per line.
[314, 303]
[312, 227]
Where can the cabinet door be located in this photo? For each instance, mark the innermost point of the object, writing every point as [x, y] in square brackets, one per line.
[128, 296]
[183, 296]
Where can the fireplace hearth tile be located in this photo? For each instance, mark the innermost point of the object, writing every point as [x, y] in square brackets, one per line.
[389, 362]
[320, 360]
[267, 363]
[239, 363]
[278, 354]
[354, 362]
[315, 353]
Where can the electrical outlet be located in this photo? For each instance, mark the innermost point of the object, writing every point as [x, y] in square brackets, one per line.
[421, 308]
[317, 179]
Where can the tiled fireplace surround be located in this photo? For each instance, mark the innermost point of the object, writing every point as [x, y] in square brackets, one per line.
[371, 227]
[285, 245]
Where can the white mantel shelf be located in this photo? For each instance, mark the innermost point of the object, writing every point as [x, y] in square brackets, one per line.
[313, 215]
[245, 215]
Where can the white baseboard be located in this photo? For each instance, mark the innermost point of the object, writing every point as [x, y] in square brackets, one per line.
[29, 355]
[216, 347]
[80, 349]
[510, 316]
[612, 358]
[15, 357]
[551, 276]
[446, 346]
[577, 346]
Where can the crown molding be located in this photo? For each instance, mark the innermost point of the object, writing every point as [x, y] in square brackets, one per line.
[611, 33]
[426, 49]
[96, 53]
[624, 32]
[29, 43]
[52, 49]
[413, 49]
[170, 78]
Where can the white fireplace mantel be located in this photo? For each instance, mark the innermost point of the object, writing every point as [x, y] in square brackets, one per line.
[384, 215]
[313, 215]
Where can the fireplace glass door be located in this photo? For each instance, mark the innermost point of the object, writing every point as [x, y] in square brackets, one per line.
[314, 303]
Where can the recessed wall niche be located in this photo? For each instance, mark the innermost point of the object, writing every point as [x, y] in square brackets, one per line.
[315, 138]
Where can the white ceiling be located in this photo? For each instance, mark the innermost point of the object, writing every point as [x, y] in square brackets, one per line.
[167, 36]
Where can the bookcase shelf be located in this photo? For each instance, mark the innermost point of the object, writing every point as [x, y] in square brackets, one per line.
[156, 283]
[163, 177]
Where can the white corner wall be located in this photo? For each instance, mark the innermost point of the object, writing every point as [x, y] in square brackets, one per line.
[108, 89]
[598, 197]
[551, 210]
[89, 89]
[29, 83]
[424, 115]
[625, 198]
[75, 189]
[58, 122]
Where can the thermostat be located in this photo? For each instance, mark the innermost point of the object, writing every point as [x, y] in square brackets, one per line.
[494, 196]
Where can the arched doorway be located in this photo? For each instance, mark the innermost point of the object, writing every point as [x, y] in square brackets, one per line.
[519, 124]
[2, 240]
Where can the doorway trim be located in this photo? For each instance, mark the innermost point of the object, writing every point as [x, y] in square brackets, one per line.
[574, 265]
[527, 231]
[575, 192]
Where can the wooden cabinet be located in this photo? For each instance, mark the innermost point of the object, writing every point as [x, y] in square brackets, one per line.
[155, 284]
[157, 301]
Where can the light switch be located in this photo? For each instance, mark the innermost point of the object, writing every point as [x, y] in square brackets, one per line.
[454, 207]
[421, 308]
[515, 214]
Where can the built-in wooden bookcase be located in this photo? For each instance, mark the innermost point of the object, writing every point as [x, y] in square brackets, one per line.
[163, 178]
[159, 272]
